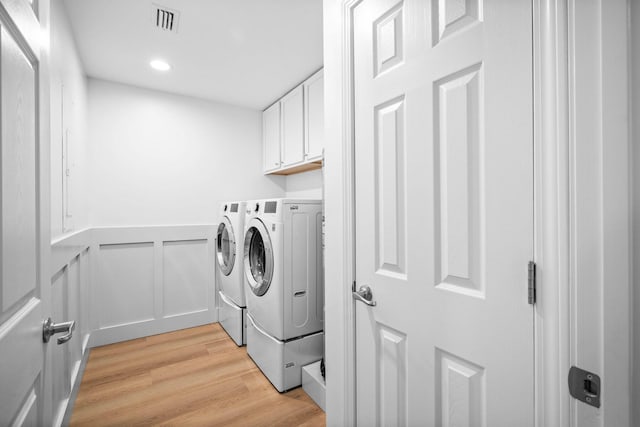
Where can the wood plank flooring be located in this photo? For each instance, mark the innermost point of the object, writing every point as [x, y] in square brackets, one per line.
[193, 377]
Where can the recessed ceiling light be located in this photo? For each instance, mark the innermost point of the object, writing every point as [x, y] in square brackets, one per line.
[160, 65]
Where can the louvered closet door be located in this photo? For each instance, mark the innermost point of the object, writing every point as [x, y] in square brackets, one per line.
[444, 208]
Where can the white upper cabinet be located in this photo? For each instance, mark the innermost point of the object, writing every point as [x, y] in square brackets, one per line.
[292, 127]
[271, 138]
[314, 116]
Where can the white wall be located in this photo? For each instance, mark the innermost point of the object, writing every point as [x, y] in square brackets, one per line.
[306, 185]
[68, 118]
[158, 158]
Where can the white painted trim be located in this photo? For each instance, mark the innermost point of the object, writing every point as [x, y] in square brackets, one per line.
[146, 328]
[634, 48]
[160, 322]
[68, 247]
[66, 250]
[599, 208]
[349, 207]
[339, 214]
[44, 192]
[617, 284]
[75, 388]
[551, 141]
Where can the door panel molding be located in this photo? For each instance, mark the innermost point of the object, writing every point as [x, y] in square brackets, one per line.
[461, 384]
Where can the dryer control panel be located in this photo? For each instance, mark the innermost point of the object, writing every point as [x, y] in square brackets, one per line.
[270, 207]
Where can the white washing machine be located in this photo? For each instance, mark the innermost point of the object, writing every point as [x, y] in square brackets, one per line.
[284, 287]
[230, 254]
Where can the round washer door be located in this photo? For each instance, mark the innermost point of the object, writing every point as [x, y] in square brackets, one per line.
[225, 246]
[258, 257]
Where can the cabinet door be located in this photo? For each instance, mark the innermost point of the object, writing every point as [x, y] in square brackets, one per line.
[271, 138]
[292, 127]
[314, 116]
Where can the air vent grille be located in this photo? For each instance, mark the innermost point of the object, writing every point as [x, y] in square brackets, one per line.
[165, 18]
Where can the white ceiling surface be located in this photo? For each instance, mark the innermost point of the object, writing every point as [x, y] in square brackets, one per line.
[241, 52]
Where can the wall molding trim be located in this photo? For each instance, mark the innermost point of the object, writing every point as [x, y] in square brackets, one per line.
[68, 247]
[552, 211]
[70, 284]
[163, 277]
[75, 388]
[339, 210]
[102, 277]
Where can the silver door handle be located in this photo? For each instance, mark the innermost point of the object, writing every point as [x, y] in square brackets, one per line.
[49, 328]
[365, 295]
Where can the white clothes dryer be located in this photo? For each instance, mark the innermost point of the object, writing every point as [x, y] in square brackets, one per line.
[284, 287]
[229, 255]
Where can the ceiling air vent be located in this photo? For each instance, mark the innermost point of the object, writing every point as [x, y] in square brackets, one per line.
[165, 18]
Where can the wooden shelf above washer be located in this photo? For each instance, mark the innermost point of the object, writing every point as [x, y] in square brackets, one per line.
[299, 168]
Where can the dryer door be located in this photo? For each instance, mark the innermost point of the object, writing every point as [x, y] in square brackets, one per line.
[258, 257]
[225, 246]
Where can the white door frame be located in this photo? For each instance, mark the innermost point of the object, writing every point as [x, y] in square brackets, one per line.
[44, 188]
[581, 53]
[554, 213]
[551, 141]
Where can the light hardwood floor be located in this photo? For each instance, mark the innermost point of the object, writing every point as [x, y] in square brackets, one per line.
[193, 377]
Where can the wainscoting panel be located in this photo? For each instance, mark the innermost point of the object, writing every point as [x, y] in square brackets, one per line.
[60, 376]
[71, 289]
[126, 286]
[123, 283]
[75, 311]
[186, 277]
[150, 280]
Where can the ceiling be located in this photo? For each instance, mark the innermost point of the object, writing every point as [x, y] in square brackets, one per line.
[241, 52]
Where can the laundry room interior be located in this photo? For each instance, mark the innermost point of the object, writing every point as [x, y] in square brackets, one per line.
[153, 164]
[320, 212]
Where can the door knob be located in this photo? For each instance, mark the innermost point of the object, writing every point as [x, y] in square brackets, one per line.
[49, 328]
[364, 295]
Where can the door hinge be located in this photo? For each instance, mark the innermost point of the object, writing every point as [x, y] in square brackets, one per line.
[532, 283]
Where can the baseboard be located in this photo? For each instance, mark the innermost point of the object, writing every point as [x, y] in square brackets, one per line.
[110, 335]
[66, 420]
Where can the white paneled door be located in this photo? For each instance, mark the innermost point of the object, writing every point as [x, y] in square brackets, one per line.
[24, 286]
[444, 212]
